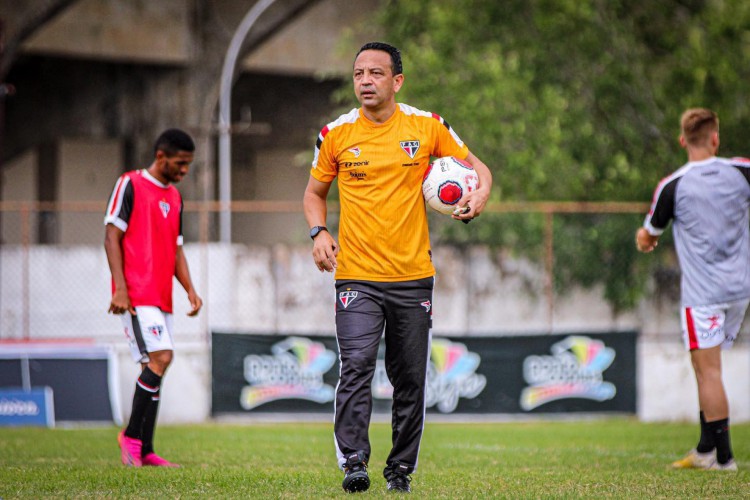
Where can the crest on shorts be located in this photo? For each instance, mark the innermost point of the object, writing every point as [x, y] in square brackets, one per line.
[164, 207]
[156, 330]
[410, 147]
[427, 305]
[347, 297]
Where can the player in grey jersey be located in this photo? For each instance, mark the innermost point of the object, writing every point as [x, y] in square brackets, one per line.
[708, 200]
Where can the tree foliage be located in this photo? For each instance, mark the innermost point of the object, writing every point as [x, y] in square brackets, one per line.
[575, 100]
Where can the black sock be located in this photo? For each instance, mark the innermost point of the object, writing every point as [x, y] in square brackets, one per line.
[146, 386]
[719, 429]
[706, 442]
[149, 425]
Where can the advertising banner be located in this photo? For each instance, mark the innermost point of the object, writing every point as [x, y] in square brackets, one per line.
[511, 374]
[27, 407]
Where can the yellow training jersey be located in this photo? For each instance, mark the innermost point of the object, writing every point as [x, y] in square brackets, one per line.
[383, 231]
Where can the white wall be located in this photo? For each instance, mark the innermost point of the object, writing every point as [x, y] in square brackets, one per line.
[185, 390]
[278, 290]
[667, 388]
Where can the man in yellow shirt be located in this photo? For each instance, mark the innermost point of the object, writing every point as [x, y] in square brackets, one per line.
[382, 261]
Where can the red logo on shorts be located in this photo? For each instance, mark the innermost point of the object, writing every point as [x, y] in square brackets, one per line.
[714, 322]
[427, 305]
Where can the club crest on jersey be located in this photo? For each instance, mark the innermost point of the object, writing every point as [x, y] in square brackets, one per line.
[347, 297]
[410, 147]
[355, 151]
[155, 330]
[427, 305]
[164, 207]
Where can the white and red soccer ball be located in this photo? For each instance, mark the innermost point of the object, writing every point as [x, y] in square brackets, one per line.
[446, 181]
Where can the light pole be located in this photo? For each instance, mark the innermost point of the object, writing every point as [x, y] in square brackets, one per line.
[225, 117]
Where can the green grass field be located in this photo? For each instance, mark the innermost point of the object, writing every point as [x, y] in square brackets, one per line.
[618, 458]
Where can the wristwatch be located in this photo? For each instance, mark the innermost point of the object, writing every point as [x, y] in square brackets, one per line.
[317, 229]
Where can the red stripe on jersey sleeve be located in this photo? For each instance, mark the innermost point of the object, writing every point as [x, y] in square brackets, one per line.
[120, 183]
[324, 132]
[657, 192]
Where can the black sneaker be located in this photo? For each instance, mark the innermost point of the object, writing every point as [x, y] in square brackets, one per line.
[399, 483]
[355, 473]
[398, 479]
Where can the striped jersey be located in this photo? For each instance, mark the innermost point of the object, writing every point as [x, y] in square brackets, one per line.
[150, 215]
[383, 234]
[709, 201]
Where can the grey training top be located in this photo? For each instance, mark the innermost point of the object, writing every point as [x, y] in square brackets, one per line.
[708, 201]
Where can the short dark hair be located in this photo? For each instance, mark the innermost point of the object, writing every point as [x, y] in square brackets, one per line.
[395, 54]
[174, 140]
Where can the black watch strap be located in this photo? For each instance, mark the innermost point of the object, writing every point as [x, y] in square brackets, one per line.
[316, 230]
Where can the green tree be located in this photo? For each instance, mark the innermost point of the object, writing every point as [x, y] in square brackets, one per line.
[574, 100]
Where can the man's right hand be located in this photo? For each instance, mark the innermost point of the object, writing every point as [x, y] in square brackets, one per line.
[121, 303]
[325, 250]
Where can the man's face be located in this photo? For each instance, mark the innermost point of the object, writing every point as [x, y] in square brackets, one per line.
[174, 168]
[374, 82]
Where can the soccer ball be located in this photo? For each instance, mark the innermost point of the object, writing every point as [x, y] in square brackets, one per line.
[446, 181]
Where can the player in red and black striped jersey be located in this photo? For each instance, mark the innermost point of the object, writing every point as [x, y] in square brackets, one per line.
[144, 249]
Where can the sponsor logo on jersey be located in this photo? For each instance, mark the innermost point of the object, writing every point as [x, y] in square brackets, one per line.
[410, 147]
[164, 207]
[347, 297]
[355, 151]
[349, 164]
[357, 175]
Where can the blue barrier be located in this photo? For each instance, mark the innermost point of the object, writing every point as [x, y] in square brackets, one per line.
[33, 407]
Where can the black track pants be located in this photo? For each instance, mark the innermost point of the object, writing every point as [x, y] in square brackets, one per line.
[364, 309]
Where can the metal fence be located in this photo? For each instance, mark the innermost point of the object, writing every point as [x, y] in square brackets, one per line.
[521, 268]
